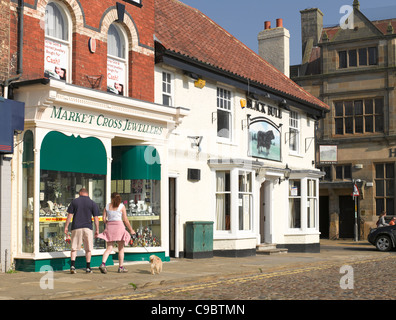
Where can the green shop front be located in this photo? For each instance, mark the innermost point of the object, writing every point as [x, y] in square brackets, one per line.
[58, 156]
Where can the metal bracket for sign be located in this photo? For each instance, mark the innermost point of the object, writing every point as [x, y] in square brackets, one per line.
[95, 81]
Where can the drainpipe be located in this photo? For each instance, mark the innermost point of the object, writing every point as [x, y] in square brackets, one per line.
[7, 82]
[20, 36]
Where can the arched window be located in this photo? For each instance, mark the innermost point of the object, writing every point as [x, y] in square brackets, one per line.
[116, 60]
[57, 42]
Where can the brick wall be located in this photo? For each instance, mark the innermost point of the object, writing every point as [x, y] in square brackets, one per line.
[91, 20]
[4, 38]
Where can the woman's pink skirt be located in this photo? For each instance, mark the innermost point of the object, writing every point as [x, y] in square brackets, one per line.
[115, 231]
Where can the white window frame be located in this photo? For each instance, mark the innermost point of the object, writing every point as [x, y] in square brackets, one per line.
[235, 232]
[304, 228]
[225, 104]
[168, 93]
[294, 132]
[121, 60]
[68, 43]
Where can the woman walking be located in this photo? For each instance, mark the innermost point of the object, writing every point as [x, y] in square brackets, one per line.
[114, 216]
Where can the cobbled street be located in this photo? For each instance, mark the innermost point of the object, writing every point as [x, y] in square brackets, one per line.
[372, 279]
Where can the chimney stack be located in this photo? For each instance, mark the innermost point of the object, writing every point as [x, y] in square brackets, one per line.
[274, 46]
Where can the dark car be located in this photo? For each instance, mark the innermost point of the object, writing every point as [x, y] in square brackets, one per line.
[384, 238]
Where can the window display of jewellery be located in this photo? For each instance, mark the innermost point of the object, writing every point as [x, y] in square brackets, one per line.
[140, 209]
[54, 210]
[54, 240]
[144, 237]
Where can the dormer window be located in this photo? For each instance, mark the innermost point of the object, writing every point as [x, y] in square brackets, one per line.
[358, 57]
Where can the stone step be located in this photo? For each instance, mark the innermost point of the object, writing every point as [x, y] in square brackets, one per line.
[269, 248]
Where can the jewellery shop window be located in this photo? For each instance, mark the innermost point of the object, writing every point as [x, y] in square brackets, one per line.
[141, 198]
[57, 190]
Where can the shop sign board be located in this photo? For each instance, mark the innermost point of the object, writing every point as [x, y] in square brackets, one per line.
[12, 116]
[264, 139]
[106, 122]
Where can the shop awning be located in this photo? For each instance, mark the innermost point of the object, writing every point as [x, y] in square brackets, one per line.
[135, 162]
[73, 154]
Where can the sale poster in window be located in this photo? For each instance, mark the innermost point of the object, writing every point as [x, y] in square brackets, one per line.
[115, 76]
[56, 59]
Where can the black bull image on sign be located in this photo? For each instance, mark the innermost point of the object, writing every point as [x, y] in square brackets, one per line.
[264, 140]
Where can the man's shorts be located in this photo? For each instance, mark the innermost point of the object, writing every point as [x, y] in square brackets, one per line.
[82, 236]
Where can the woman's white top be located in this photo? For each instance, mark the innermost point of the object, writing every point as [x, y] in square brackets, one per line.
[114, 215]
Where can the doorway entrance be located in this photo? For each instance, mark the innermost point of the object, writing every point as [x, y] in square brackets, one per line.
[265, 212]
[347, 217]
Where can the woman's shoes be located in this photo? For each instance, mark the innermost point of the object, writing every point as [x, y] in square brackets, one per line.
[122, 270]
[103, 269]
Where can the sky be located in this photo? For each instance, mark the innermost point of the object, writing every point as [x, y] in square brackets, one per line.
[244, 19]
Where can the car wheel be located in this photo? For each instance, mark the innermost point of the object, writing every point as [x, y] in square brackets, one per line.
[383, 243]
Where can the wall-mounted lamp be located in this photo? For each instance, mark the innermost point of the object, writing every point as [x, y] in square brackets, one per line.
[196, 141]
[286, 174]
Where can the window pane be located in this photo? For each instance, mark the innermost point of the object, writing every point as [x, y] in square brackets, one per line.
[390, 170]
[327, 171]
[339, 126]
[379, 124]
[379, 186]
[359, 125]
[369, 125]
[363, 57]
[390, 206]
[295, 213]
[352, 58]
[390, 188]
[380, 205]
[342, 59]
[245, 181]
[311, 188]
[223, 181]
[55, 24]
[368, 104]
[293, 140]
[358, 107]
[223, 205]
[379, 171]
[339, 109]
[349, 125]
[115, 43]
[379, 106]
[166, 100]
[373, 56]
[245, 206]
[223, 124]
[347, 172]
[294, 188]
[349, 108]
[339, 172]
[311, 213]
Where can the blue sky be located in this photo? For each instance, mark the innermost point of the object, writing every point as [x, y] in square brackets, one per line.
[244, 19]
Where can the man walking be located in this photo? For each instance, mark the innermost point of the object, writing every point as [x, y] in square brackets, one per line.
[82, 209]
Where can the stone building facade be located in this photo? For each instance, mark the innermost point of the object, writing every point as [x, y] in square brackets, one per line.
[352, 68]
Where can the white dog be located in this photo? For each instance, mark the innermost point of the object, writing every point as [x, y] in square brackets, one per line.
[156, 264]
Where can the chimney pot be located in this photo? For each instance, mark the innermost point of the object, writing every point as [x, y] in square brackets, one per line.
[267, 25]
[279, 23]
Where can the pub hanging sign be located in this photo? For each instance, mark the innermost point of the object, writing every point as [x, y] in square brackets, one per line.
[263, 108]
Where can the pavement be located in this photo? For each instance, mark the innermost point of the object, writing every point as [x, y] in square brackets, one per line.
[61, 285]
